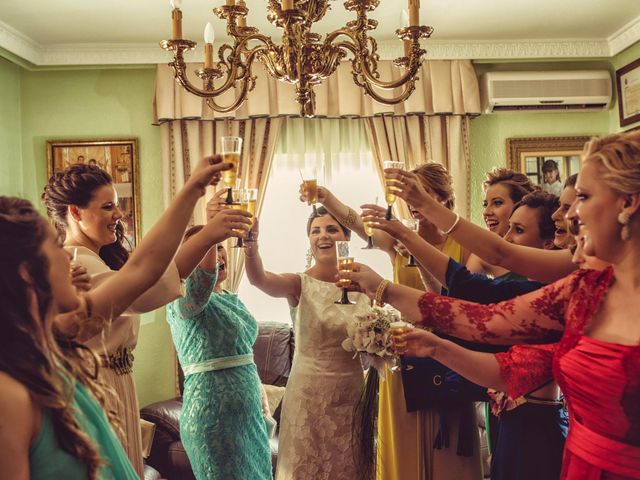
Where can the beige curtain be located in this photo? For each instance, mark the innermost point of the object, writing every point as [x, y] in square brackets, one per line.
[184, 142]
[417, 139]
[448, 87]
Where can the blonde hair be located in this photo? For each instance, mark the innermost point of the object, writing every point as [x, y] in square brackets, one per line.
[517, 183]
[619, 156]
[436, 178]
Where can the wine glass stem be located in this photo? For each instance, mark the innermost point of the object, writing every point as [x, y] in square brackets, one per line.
[229, 199]
[388, 215]
[369, 242]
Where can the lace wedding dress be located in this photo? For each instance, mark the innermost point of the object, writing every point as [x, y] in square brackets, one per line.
[323, 388]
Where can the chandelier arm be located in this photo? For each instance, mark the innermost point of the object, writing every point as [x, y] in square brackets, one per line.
[410, 87]
[236, 103]
[369, 75]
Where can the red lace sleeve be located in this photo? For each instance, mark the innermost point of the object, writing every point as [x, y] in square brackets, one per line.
[525, 368]
[538, 316]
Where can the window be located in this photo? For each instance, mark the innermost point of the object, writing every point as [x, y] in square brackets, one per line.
[350, 174]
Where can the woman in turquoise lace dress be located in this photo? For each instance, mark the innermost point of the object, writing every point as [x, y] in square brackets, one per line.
[222, 425]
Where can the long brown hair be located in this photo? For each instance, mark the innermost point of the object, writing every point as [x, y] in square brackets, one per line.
[435, 177]
[75, 185]
[41, 358]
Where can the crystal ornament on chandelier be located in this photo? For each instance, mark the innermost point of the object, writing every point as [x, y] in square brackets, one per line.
[303, 58]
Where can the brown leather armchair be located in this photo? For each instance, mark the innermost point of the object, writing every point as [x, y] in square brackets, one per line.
[273, 353]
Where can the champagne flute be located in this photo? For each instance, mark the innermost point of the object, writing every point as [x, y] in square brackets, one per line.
[389, 188]
[230, 147]
[310, 186]
[345, 264]
[396, 329]
[368, 230]
[239, 202]
[251, 196]
[412, 224]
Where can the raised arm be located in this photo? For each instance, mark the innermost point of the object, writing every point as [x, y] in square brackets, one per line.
[542, 265]
[283, 285]
[350, 219]
[198, 288]
[151, 258]
[537, 317]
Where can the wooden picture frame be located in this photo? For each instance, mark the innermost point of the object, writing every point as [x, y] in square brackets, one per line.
[119, 157]
[528, 155]
[628, 90]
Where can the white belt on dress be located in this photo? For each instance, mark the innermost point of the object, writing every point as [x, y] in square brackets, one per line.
[220, 363]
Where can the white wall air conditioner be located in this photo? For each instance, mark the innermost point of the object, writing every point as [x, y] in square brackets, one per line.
[546, 91]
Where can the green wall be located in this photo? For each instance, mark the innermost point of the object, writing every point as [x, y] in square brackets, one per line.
[11, 173]
[85, 104]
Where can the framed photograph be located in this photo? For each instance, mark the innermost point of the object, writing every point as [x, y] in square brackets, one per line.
[119, 158]
[628, 83]
[547, 161]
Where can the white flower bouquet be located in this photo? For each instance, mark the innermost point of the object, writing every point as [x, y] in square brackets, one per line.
[369, 335]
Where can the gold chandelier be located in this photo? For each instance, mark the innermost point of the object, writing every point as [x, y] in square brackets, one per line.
[303, 58]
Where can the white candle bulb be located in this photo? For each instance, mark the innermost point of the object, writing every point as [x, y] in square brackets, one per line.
[175, 3]
[209, 34]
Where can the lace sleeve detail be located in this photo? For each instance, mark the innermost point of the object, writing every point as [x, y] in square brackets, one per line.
[525, 368]
[199, 286]
[537, 316]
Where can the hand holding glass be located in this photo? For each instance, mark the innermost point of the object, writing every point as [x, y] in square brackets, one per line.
[412, 224]
[230, 147]
[397, 331]
[389, 188]
[310, 186]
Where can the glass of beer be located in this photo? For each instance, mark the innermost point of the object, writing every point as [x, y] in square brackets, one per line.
[389, 188]
[239, 202]
[412, 224]
[345, 264]
[396, 329]
[310, 186]
[230, 147]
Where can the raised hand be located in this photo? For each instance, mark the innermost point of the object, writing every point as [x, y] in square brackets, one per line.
[376, 215]
[216, 204]
[80, 278]
[206, 172]
[228, 223]
[408, 187]
[254, 232]
[305, 195]
[364, 278]
[416, 342]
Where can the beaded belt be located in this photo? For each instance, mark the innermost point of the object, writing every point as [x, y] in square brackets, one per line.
[120, 362]
[220, 363]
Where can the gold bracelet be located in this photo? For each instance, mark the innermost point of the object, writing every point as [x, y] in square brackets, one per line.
[455, 224]
[351, 218]
[382, 287]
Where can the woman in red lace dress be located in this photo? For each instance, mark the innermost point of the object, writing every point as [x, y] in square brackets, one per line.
[591, 316]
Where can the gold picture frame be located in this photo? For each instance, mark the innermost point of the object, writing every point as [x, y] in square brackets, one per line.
[628, 89]
[528, 155]
[119, 157]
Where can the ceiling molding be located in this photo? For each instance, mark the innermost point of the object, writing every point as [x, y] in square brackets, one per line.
[143, 53]
[625, 37]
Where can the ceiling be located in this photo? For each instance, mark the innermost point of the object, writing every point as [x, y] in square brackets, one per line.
[127, 31]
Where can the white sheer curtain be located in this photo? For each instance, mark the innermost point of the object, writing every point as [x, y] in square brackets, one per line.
[341, 149]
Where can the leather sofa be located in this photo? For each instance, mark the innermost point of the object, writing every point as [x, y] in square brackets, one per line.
[273, 353]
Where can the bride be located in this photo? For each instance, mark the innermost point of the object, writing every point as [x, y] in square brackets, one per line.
[325, 381]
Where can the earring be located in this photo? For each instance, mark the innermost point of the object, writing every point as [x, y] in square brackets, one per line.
[309, 259]
[623, 219]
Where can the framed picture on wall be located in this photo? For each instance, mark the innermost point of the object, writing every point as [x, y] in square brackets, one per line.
[117, 157]
[547, 161]
[628, 84]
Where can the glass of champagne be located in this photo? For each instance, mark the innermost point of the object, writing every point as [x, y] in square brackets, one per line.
[368, 230]
[389, 188]
[238, 202]
[251, 196]
[412, 224]
[230, 147]
[310, 186]
[396, 329]
[345, 264]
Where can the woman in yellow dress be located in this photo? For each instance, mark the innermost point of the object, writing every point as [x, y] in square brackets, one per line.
[405, 440]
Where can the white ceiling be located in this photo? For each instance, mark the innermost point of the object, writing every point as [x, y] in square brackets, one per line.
[46, 32]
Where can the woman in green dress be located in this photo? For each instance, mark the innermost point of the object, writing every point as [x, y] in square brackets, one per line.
[222, 426]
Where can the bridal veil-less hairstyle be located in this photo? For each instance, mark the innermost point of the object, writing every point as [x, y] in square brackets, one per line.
[76, 185]
[517, 183]
[436, 178]
[619, 155]
[44, 361]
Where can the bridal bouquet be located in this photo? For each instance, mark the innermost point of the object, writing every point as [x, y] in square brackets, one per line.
[369, 335]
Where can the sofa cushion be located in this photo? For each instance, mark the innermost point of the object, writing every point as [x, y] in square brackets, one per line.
[273, 352]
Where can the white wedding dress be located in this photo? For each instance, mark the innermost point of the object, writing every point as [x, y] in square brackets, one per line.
[323, 388]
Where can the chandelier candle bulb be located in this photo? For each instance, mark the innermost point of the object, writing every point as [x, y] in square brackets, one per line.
[287, 4]
[414, 13]
[176, 24]
[231, 3]
[242, 20]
